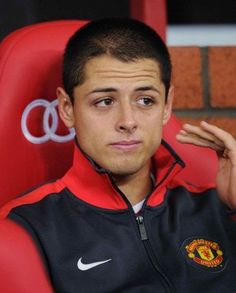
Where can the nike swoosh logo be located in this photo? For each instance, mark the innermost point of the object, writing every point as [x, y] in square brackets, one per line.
[84, 267]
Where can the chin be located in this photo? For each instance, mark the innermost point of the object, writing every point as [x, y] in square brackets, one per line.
[124, 171]
[126, 166]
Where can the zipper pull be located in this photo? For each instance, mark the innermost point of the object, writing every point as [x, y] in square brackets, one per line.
[142, 229]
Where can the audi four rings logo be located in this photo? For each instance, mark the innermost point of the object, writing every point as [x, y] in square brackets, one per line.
[50, 123]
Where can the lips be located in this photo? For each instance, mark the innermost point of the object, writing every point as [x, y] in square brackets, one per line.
[126, 145]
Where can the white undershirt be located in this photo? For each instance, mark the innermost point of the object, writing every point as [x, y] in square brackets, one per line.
[138, 206]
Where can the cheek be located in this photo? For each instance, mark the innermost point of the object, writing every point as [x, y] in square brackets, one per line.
[155, 137]
[154, 124]
[89, 132]
[154, 131]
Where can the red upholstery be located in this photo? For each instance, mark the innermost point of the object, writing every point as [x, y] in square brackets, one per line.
[152, 12]
[201, 163]
[21, 269]
[30, 69]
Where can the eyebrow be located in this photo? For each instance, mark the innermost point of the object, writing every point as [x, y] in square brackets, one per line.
[110, 89]
[147, 88]
[103, 90]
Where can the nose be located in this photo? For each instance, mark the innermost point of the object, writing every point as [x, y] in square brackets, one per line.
[126, 121]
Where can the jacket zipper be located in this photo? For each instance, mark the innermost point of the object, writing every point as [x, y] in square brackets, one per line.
[142, 229]
[151, 255]
[144, 238]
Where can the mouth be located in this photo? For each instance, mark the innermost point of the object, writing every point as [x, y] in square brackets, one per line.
[126, 145]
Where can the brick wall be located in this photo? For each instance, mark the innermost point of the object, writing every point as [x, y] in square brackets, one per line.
[205, 85]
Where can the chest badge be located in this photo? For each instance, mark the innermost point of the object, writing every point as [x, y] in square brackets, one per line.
[202, 253]
[205, 252]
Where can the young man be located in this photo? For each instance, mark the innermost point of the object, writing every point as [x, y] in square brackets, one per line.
[118, 221]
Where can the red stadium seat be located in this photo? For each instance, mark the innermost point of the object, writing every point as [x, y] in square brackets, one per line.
[30, 71]
[21, 269]
[151, 12]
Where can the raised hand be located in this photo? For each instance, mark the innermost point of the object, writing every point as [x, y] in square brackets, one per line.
[208, 135]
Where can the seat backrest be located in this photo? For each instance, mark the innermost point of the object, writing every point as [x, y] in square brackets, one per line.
[201, 163]
[151, 12]
[35, 147]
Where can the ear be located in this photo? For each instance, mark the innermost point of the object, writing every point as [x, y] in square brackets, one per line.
[168, 105]
[65, 107]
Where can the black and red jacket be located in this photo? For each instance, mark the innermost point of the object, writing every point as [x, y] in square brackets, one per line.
[183, 240]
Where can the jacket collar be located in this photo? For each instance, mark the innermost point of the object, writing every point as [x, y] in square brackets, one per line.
[93, 184]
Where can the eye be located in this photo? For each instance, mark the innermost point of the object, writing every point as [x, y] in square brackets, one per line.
[145, 101]
[104, 102]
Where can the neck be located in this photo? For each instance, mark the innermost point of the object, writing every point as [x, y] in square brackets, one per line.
[135, 186]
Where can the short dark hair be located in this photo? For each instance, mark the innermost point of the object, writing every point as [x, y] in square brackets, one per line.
[122, 38]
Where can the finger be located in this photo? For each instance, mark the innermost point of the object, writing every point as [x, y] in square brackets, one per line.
[226, 138]
[196, 140]
[195, 135]
[203, 133]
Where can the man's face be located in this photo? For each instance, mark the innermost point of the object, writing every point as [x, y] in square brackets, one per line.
[118, 113]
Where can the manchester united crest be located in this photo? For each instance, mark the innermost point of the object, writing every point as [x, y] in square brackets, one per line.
[204, 253]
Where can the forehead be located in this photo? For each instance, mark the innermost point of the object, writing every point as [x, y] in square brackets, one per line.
[107, 67]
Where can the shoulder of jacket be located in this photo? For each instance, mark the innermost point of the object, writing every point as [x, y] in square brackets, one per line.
[31, 197]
